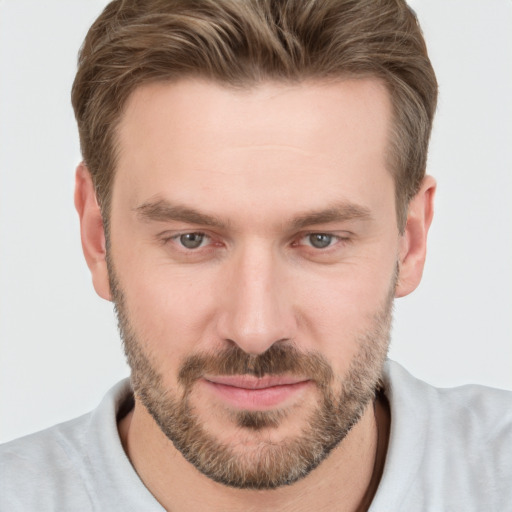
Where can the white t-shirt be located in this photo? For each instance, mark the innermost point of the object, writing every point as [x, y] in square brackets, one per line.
[449, 450]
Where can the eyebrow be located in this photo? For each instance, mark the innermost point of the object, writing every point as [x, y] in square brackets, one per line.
[340, 212]
[164, 211]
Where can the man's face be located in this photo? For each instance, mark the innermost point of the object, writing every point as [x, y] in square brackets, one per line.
[253, 256]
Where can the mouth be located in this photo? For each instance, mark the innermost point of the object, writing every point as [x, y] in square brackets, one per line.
[246, 392]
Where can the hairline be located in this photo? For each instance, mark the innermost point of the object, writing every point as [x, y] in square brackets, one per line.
[248, 85]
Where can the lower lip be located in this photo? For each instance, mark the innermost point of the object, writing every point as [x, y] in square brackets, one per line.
[257, 399]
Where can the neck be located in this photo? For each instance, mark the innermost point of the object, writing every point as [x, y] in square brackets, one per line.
[346, 481]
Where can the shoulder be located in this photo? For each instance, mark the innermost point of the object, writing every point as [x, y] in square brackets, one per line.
[79, 465]
[449, 448]
[478, 406]
[469, 411]
[33, 467]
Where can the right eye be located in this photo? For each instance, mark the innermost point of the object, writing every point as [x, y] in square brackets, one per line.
[320, 240]
[192, 241]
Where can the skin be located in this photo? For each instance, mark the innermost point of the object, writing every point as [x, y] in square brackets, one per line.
[260, 162]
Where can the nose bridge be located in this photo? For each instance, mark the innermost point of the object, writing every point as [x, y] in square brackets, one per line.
[257, 311]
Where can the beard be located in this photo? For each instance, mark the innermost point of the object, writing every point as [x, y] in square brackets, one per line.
[258, 462]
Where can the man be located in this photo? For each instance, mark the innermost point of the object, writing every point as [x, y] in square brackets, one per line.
[252, 198]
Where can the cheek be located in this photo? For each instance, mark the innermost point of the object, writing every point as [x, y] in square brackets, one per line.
[337, 311]
[170, 309]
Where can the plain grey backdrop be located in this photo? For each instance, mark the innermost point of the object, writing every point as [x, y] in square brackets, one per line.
[59, 347]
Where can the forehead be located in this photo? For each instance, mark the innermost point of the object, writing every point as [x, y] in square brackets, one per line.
[198, 140]
[265, 110]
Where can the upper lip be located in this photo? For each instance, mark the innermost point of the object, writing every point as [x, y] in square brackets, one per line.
[252, 382]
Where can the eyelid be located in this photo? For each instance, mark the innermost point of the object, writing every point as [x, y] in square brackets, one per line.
[166, 236]
[172, 233]
[204, 241]
[343, 236]
[340, 238]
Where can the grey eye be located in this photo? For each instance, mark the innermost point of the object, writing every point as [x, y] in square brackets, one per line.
[320, 240]
[192, 240]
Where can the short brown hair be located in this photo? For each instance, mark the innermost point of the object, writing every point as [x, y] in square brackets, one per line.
[241, 43]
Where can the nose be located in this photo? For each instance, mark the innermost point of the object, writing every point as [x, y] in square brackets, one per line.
[256, 310]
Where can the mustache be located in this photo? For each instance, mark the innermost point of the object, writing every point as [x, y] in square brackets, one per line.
[277, 360]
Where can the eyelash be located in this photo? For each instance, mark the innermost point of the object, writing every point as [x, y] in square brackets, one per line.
[338, 239]
[166, 239]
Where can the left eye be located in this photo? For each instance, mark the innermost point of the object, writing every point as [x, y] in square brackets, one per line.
[192, 240]
[319, 240]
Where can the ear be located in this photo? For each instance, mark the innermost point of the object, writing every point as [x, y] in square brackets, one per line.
[413, 243]
[91, 230]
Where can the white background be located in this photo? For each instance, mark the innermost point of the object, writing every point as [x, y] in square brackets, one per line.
[59, 348]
